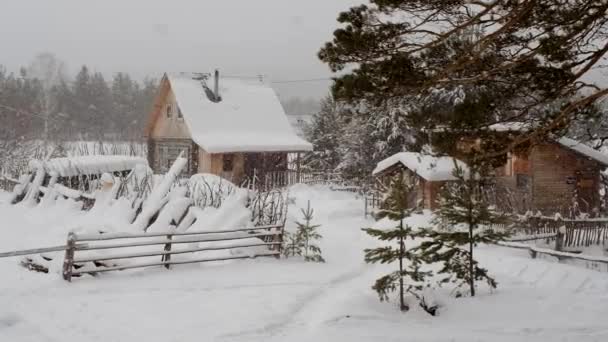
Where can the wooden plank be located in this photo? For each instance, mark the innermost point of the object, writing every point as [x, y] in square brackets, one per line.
[180, 262]
[158, 253]
[36, 251]
[165, 241]
[116, 236]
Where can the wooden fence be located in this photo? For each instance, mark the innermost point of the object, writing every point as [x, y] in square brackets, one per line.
[579, 233]
[7, 183]
[279, 179]
[372, 203]
[270, 238]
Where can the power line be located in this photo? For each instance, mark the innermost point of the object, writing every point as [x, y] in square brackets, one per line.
[304, 80]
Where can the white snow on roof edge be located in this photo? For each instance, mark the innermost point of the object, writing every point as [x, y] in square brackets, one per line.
[429, 167]
[584, 150]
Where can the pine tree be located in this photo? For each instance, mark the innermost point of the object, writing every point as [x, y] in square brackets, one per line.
[466, 218]
[324, 133]
[307, 234]
[292, 245]
[397, 207]
[403, 54]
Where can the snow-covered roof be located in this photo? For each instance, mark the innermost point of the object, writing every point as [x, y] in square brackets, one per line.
[584, 150]
[426, 166]
[249, 117]
[510, 127]
[87, 165]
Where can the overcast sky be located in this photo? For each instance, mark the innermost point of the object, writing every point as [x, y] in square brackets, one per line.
[278, 38]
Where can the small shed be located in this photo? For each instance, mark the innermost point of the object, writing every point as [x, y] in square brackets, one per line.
[233, 128]
[428, 172]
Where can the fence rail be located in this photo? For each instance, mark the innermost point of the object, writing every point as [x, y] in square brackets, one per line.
[270, 237]
[579, 233]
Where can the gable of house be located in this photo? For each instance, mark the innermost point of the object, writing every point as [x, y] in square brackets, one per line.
[165, 121]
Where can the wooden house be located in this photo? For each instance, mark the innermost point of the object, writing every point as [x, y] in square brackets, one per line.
[555, 176]
[233, 128]
[428, 174]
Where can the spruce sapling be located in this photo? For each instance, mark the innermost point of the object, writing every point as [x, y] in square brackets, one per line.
[466, 217]
[396, 207]
[304, 241]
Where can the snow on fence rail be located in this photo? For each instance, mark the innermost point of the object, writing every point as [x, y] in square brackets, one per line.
[597, 263]
[270, 238]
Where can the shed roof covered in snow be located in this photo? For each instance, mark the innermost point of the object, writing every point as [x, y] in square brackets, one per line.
[248, 118]
[87, 165]
[584, 150]
[429, 167]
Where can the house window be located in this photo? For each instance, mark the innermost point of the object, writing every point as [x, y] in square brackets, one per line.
[228, 162]
[169, 111]
[169, 164]
[179, 113]
[507, 169]
[523, 181]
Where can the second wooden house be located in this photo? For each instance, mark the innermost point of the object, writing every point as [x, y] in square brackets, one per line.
[555, 176]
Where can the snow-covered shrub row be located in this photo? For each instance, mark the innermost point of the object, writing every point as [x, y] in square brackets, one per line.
[207, 190]
[269, 208]
[16, 155]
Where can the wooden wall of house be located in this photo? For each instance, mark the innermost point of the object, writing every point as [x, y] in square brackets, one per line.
[514, 184]
[167, 124]
[560, 175]
[214, 163]
[168, 135]
[431, 192]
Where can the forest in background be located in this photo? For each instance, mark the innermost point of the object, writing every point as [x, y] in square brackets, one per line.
[41, 101]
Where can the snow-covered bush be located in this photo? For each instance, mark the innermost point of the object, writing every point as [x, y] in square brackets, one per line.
[208, 190]
[269, 207]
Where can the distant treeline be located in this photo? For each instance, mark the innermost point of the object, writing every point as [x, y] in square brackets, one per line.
[41, 102]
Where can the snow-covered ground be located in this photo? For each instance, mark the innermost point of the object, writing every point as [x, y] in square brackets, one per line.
[284, 300]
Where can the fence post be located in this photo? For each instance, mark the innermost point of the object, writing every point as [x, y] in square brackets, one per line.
[559, 241]
[68, 261]
[280, 240]
[167, 257]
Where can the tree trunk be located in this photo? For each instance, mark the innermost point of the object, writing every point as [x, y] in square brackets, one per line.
[403, 306]
[471, 226]
[471, 265]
